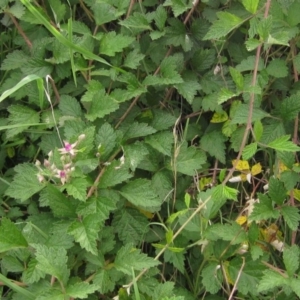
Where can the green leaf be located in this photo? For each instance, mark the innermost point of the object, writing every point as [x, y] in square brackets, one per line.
[277, 192]
[264, 209]
[237, 78]
[86, 232]
[113, 43]
[53, 261]
[69, 106]
[160, 17]
[141, 193]
[104, 281]
[283, 144]
[10, 236]
[270, 280]
[164, 290]
[32, 273]
[161, 141]
[105, 12]
[14, 60]
[290, 107]
[214, 143]
[188, 160]
[189, 88]
[224, 95]
[251, 5]
[80, 290]
[289, 178]
[129, 258]
[168, 72]
[136, 129]
[294, 284]
[133, 58]
[226, 22]
[20, 114]
[114, 174]
[78, 188]
[178, 6]
[25, 183]
[225, 192]
[131, 225]
[135, 153]
[105, 140]
[101, 105]
[258, 130]
[227, 232]
[242, 112]
[291, 259]
[249, 151]
[162, 120]
[177, 259]
[291, 216]
[277, 68]
[212, 277]
[101, 206]
[61, 206]
[204, 59]
[137, 22]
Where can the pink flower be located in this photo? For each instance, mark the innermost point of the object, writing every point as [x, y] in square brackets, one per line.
[68, 148]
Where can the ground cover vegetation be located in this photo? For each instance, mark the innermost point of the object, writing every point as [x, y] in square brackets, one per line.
[148, 149]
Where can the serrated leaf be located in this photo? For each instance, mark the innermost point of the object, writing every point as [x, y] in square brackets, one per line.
[161, 141]
[32, 274]
[78, 188]
[249, 151]
[225, 95]
[176, 259]
[114, 174]
[14, 60]
[227, 232]
[53, 261]
[136, 129]
[277, 192]
[69, 106]
[291, 259]
[141, 193]
[160, 17]
[25, 183]
[212, 277]
[237, 78]
[105, 140]
[203, 59]
[264, 209]
[242, 112]
[277, 68]
[162, 120]
[130, 225]
[10, 236]
[291, 216]
[129, 258]
[135, 153]
[188, 160]
[133, 58]
[104, 281]
[251, 5]
[86, 232]
[137, 22]
[60, 205]
[271, 280]
[113, 43]
[226, 22]
[188, 88]
[21, 115]
[252, 44]
[101, 206]
[224, 192]
[290, 107]
[163, 290]
[101, 105]
[80, 290]
[283, 144]
[178, 6]
[214, 143]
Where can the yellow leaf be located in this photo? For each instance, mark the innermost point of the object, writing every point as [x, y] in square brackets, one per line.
[256, 169]
[296, 194]
[228, 278]
[204, 182]
[242, 165]
[282, 167]
[241, 220]
[219, 117]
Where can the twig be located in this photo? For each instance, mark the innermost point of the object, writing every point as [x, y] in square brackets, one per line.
[237, 279]
[20, 30]
[251, 104]
[130, 8]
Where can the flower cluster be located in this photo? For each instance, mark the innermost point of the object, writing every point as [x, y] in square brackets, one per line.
[51, 171]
